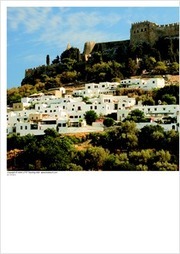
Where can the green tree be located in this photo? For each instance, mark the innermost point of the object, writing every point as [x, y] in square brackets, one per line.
[151, 136]
[172, 90]
[51, 132]
[169, 99]
[136, 115]
[90, 117]
[56, 60]
[131, 67]
[108, 121]
[174, 68]
[68, 76]
[148, 101]
[112, 115]
[72, 53]
[124, 138]
[150, 63]
[160, 68]
[74, 167]
[164, 166]
[117, 162]
[94, 158]
[172, 143]
[96, 57]
[142, 159]
[47, 60]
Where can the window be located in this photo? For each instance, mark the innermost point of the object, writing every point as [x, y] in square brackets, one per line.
[155, 109]
[54, 110]
[89, 87]
[25, 127]
[91, 107]
[45, 111]
[153, 82]
[21, 127]
[123, 105]
[64, 124]
[79, 108]
[148, 109]
[103, 85]
[95, 107]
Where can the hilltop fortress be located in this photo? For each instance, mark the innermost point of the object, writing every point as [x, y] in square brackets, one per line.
[140, 32]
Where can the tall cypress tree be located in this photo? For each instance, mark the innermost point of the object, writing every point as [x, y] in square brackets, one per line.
[47, 60]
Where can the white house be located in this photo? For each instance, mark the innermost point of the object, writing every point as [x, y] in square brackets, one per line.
[153, 83]
[145, 84]
[66, 113]
[156, 112]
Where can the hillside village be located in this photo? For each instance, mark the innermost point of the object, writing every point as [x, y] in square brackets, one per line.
[66, 112]
[113, 107]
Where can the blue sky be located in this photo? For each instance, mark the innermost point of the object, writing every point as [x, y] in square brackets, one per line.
[34, 32]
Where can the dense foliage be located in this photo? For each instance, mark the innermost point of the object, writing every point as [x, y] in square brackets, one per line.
[119, 148]
[107, 64]
[120, 62]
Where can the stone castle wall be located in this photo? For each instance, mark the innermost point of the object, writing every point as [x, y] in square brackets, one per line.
[146, 31]
[150, 32]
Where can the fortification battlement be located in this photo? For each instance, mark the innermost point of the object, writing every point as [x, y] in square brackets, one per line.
[146, 22]
[169, 25]
[136, 24]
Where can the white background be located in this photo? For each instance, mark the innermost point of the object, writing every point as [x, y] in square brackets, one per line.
[85, 212]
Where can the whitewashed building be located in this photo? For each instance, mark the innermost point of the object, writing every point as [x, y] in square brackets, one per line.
[95, 89]
[145, 84]
[67, 114]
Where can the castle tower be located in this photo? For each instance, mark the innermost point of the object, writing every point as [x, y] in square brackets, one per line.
[150, 32]
[88, 47]
[143, 32]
